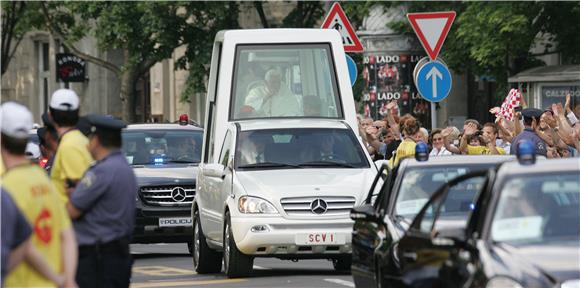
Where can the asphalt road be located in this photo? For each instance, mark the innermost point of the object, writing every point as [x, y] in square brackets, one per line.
[170, 265]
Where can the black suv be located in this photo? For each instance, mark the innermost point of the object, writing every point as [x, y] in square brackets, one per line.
[164, 158]
[379, 227]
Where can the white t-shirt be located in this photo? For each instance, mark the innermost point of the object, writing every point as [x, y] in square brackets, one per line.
[441, 152]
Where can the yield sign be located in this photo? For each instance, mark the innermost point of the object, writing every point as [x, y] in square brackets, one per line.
[336, 19]
[432, 29]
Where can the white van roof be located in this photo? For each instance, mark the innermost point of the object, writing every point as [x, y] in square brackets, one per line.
[277, 35]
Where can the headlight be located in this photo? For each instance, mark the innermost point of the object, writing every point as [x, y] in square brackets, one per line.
[255, 205]
[502, 282]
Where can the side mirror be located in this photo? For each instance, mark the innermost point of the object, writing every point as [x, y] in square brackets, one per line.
[214, 170]
[364, 213]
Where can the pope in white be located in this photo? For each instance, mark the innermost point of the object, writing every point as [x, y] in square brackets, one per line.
[273, 99]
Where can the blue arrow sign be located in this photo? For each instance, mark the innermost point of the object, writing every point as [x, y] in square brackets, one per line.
[352, 71]
[434, 81]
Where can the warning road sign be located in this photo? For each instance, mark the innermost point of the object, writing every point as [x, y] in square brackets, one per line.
[336, 19]
[432, 29]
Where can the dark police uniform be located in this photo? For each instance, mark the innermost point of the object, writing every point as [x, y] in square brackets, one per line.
[106, 196]
[529, 134]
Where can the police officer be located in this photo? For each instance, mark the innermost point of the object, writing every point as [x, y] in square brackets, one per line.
[102, 207]
[531, 122]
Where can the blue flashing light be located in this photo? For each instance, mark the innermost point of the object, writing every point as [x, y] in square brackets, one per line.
[471, 206]
[421, 152]
[158, 161]
[526, 152]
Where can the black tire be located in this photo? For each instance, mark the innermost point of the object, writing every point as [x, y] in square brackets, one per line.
[190, 247]
[342, 264]
[236, 263]
[206, 260]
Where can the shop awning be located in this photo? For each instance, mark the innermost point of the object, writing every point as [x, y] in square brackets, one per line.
[562, 73]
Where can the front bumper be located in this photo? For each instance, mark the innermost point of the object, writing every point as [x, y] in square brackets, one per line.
[148, 229]
[283, 238]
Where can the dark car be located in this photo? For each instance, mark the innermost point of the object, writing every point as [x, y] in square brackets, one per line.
[164, 158]
[406, 189]
[524, 231]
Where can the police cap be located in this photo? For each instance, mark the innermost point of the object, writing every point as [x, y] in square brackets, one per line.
[84, 125]
[105, 124]
[532, 113]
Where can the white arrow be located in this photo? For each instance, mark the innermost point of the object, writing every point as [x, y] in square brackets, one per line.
[434, 74]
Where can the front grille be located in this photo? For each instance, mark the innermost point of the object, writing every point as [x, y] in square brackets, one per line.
[301, 206]
[163, 195]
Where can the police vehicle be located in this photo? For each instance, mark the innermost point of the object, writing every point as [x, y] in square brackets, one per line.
[523, 230]
[379, 227]
[164, 158]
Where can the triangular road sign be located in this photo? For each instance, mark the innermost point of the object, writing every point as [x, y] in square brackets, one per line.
[432, 29]
[336, 19]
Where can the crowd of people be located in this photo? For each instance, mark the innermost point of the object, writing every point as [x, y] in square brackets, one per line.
[555, 132]
[68, 224]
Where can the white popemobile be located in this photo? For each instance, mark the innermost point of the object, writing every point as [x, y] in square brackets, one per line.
[282, 163]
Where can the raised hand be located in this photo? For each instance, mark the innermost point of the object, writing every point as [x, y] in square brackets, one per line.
[371, 132]
[392, 104]
[494, 110]
[567, 104]
[470, 129]
[558, 109]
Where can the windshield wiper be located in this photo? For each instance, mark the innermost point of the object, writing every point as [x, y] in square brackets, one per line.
[268, 165]
[325, 164]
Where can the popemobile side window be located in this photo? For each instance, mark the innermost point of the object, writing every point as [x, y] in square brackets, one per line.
[284, 81]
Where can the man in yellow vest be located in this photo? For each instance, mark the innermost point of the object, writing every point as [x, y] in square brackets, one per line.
[72, 156]
[36, 197]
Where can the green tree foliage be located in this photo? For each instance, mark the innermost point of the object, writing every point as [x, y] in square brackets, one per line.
[146, 33]
[18, 17]
[495, 38]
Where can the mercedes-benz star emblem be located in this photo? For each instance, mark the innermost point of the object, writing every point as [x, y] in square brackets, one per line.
[318, 206]
[178, 194]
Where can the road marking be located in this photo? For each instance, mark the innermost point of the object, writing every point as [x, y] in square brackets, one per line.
[161, 271]
[340, 281]
[261, 268]
[186, 283]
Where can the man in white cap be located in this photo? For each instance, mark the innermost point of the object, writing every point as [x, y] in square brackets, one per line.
[72, 156]
[38, 200]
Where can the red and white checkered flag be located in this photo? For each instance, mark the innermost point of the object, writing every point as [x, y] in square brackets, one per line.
[512, 100]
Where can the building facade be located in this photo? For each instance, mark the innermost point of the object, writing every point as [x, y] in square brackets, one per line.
[31, 77]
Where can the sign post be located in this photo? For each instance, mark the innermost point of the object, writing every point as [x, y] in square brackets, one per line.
[432, 77]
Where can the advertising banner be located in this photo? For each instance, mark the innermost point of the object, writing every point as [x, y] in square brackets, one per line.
[389, 77]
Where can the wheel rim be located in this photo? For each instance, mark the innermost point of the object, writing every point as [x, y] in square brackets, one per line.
[226, 246]
[196, 243]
